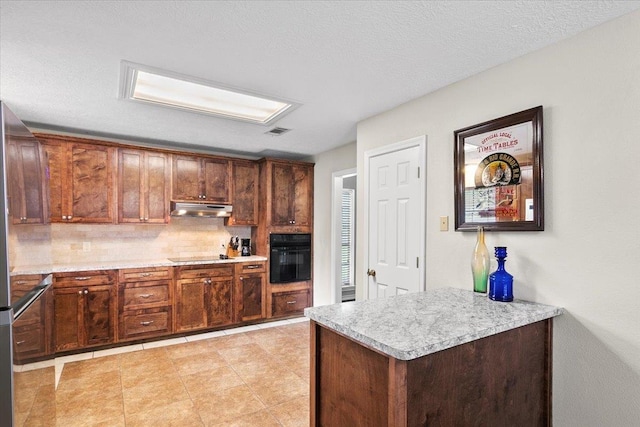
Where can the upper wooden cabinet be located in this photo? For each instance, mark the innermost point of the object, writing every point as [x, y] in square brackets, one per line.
[143, 186]
[201, 179]
[289, 195]
[27, 188]
[81, 176]
[244, 193]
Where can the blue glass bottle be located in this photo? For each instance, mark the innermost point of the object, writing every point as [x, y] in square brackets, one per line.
[501, 282]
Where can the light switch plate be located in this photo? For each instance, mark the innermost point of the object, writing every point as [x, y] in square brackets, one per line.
[444, 223]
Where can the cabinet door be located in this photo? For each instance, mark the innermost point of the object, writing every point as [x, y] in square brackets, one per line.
[186, 178]
[216, 180]
[156, 190]
[99, 314]
[303, 196]
[143, 181]
[25, 183]
[130, 186]
[57, 161]
[220, 303]
[252, 287]
[190, 303]
[244, 196]
[282, 195]
[91, 184]
[68, 315]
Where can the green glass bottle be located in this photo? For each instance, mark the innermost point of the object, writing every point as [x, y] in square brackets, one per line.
[480, 263]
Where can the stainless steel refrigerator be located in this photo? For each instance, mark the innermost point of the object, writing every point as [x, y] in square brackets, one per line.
[22, 204]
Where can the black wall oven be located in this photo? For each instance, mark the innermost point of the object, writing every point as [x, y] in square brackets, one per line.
[290, 259]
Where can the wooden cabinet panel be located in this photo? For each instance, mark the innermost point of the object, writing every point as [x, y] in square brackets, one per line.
[81, 176]
[145, 302]
[99, 314]
[25, 180]
[84, 309]
[204, 296]
[143, 186]
[200, 179]
[289, 303]
[32, 330]
[291, 195]
[146, 323]
[219, 301]
[250, 291]
[191, 304]
[244, 193]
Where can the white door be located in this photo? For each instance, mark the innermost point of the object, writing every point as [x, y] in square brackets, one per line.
[396, 218]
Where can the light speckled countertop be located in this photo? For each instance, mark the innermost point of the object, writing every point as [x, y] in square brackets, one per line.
[414, 325]
[117, 265]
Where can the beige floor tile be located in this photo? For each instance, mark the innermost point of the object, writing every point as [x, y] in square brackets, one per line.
[153, 396]
[243, 353]
[92, 366]
[176, 414]
[293, 413]
[189, 349]
[227, 405]
[89, 386]
[259, 368]
[211, 381]
[257, 419]
[91, 411]
[147, 373]
[273, 390]
[192, 364]
[117, 421]
[229, 341]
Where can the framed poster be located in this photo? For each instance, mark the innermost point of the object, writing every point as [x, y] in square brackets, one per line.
[498, 174]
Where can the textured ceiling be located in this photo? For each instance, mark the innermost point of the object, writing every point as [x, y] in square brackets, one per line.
[343, 61]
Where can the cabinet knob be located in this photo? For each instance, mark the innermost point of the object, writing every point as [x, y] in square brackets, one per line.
[79, 292]
[141, 219]
[64, 217]
[242, 278]
[86, 291]
[69, 217]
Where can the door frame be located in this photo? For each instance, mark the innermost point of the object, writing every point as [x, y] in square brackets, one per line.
[336, 222]
[421, 143]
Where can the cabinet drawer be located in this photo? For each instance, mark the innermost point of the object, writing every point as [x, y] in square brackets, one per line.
[289, 302]
[141, 324]
[83, 278]
[204, 271]
[28, 340]
[252, 267]
[138, 297]
[144, 274]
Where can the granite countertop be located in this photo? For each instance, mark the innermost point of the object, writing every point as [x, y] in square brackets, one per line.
[410, 326]
[117, 265]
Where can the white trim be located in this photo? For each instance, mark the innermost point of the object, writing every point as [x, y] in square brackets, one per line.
[421, 143]
[336, 202]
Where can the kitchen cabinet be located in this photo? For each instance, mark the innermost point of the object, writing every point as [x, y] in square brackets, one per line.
[204, 296]
[32, 331]
[84, 309]
[144, 178]
[291, 191]
[81, 176]
[250, 291]
[145, 302]
[204, 179]
[244, 193]
[27, 191]
[289, 303]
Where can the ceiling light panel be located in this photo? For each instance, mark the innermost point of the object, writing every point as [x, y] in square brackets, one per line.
[141, 83]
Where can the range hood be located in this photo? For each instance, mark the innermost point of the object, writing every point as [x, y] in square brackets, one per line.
[206, 210]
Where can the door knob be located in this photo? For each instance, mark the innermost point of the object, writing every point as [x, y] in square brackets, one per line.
[371, 273]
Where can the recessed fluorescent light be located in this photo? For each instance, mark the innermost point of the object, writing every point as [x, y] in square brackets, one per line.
[145, 84]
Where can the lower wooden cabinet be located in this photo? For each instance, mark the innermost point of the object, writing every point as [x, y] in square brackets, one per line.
[289, 303]
[145, 303]
[84, 309]
[204, 296]
[251, 291]
[32, 330]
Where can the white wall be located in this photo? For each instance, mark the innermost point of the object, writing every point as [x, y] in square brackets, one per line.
[327, 163]
[587, 258]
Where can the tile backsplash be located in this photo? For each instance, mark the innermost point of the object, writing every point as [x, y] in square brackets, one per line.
[65, 244]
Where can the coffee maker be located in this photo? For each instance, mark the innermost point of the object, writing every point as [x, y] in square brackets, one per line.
[245, 247]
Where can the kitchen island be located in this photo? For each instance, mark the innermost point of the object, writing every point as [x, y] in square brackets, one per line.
[446, 357]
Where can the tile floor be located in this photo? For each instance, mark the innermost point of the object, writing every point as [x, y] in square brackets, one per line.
[253, 376]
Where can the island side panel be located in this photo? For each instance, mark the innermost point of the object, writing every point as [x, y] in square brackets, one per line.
[500, 380]
[351, 384]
